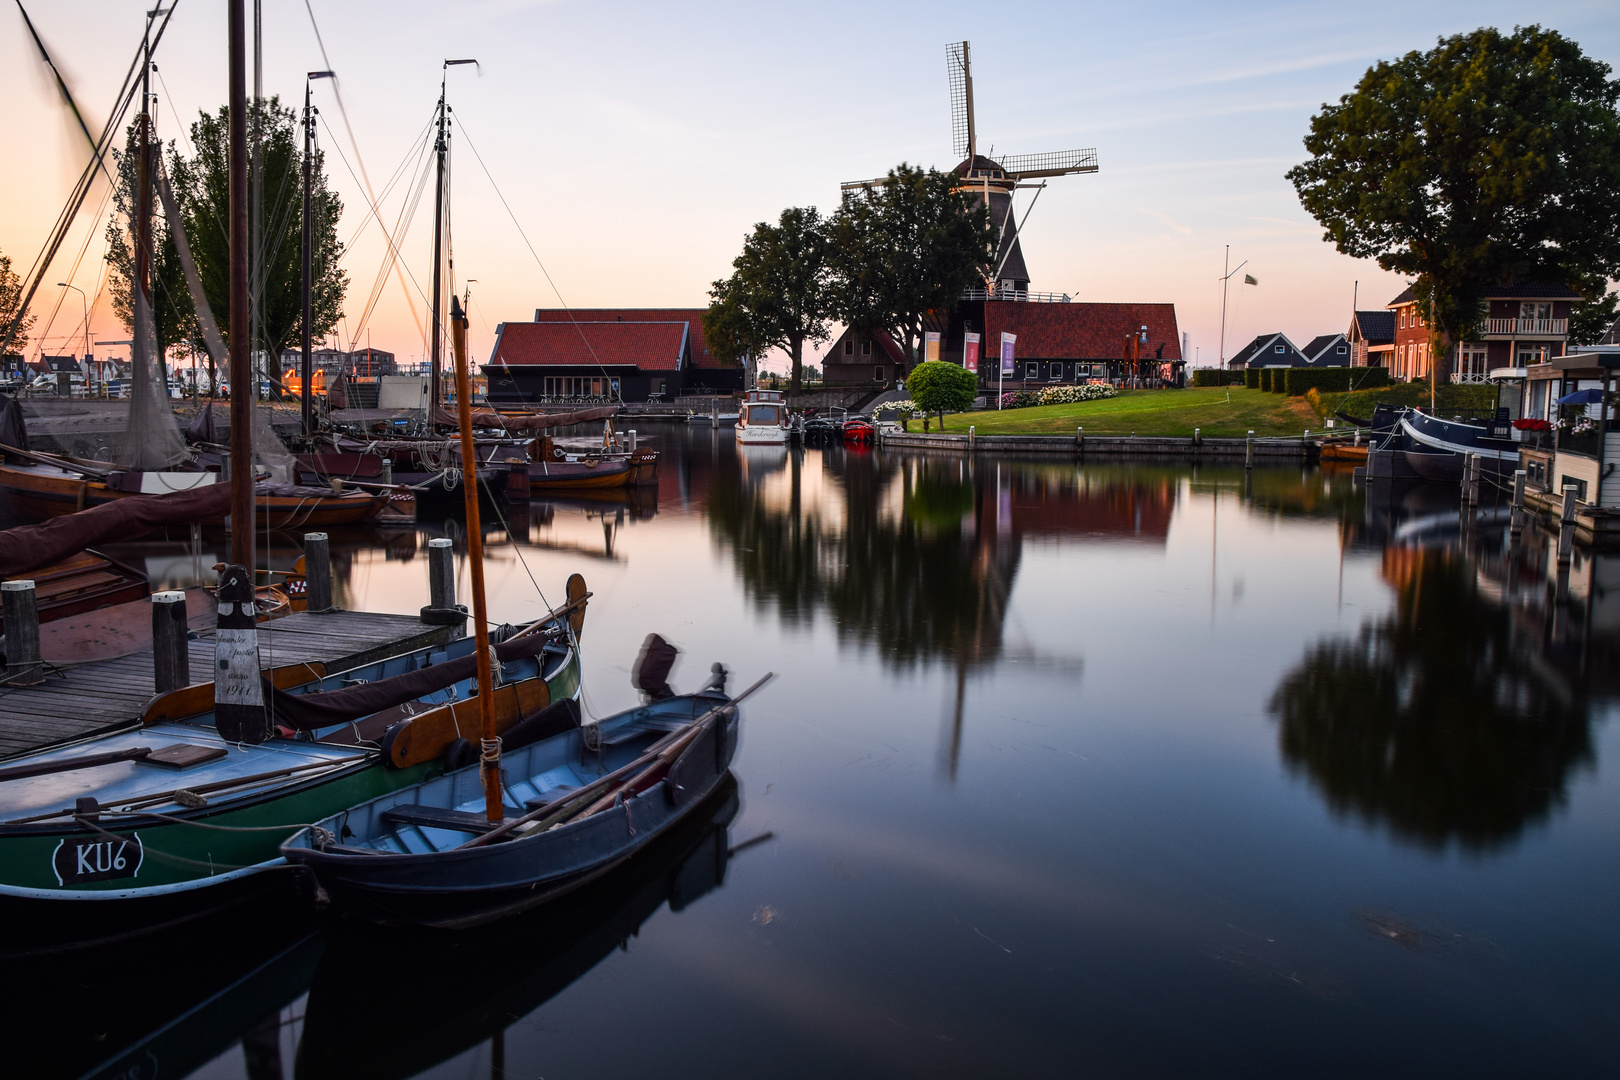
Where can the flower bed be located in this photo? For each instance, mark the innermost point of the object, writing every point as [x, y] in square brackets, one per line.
[1057, 395]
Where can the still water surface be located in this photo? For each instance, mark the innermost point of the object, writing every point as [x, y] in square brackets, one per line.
[1114, 770]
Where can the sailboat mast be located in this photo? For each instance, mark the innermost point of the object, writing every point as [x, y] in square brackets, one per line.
[490, 760]
[143, 199]
[434, 360]
[307, 361]
[241, 332]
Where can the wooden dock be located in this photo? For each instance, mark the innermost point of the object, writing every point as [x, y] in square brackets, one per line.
[107, 695]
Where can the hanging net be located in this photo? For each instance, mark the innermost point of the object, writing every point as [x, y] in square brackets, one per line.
[152, 440]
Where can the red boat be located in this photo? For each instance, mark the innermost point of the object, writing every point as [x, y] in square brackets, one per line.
[857, 429]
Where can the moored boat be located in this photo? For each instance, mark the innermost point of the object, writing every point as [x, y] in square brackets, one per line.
[1435, 448]
[762, 419]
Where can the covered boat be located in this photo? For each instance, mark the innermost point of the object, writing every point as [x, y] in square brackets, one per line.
[1435, 448]
[762, 419]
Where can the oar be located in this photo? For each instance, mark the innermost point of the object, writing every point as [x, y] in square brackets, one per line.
[589, 790]
[89, 761]
[57, 462]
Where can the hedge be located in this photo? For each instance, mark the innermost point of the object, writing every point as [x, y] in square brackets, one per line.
[1217, 377]
[1338, 380]
[1251, 378]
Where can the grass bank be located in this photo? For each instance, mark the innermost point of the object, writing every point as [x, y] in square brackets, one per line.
[1450, 396]
[1216, 411]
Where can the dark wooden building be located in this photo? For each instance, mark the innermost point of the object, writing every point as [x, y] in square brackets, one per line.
[607, 354]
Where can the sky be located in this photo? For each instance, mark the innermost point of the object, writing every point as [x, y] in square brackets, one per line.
[635, 144]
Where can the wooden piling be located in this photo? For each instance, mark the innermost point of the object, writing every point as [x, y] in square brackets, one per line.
[972, 431]
[1566, 525]
[171, 655]
[1516, 518]
[388, 470]
[1248, 451]
[631, 435]
[1476, 469]
[442, 609]
[18, 602]
[318, 573]
[1463, 486]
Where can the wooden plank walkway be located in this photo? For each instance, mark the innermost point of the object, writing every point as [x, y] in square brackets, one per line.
[110, 694]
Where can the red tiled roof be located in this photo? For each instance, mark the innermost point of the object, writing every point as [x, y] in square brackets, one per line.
[1080, 331]
[693, 317]
[650, 346]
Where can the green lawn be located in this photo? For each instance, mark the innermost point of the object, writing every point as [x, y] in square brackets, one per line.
[1216, 411]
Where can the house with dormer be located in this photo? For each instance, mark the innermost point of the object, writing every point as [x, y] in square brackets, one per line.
[1523, 325]
[1268, 350]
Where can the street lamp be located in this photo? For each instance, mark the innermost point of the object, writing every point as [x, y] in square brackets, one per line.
[85, 304]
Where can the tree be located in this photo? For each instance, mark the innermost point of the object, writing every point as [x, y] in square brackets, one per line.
[202, 186]
[1487, 160]
[906, 247]
[10, 303]
[1591, 319]
[174, 319]
[937, 385]
[778, 294]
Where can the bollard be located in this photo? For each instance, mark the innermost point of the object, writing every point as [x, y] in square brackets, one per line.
[442, 609]
[1198, 436]
[388, 470]
[632, 438]
[1517, 517]
[714, 413]
[171, 658]
[1566, 525]
[18, 601]
[317, 573]
[1248, 452]
[972, 432]
[1462, 485]
[1476, 468]
[1358, 438]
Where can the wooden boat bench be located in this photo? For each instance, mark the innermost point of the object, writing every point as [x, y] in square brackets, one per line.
[434, 817]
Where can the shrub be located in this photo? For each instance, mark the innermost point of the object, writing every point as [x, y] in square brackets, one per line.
[1251, 378]
[939, 387]
[1217, 377]
[1019, 399]
[1066, 395]
[1299, 381]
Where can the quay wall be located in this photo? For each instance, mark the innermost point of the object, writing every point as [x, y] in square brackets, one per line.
[1266, 451]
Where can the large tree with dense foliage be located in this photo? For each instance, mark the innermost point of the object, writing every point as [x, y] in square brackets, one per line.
[904, 247]
[1489, 159]
[777, 296]
[202, 186]
[935, 386]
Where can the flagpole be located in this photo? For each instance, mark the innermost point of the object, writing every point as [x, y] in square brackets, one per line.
[1225, 280]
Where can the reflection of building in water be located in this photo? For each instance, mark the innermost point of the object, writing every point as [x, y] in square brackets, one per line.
[1444, 719]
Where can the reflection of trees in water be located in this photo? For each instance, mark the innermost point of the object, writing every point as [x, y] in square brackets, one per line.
[930, 583]
[1437, 719]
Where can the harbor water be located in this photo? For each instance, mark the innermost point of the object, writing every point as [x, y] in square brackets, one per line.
[1069, 769]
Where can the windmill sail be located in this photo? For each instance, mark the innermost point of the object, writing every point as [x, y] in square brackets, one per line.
[960, 75]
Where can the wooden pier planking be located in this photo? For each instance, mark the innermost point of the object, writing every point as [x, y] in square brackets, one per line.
[108, 695]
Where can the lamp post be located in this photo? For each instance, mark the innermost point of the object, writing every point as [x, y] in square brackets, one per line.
[85, 304]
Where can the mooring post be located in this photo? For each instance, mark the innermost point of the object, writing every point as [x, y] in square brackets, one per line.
[1080, 439]
[632, 437]
[441, 574]
[714, 413]
[225, 478]
[317, 573]
[18, 603]
[972, 431]
[239, 714]
[1198, 436]
[171, 658]
[1476, 466]
[1566, 525]
[1516, 518]
[1462, 485]
[1248, 451]
[388, 470]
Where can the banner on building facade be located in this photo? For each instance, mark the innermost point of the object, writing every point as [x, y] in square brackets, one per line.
[970, 352]
[1007, 342]
[931, 345]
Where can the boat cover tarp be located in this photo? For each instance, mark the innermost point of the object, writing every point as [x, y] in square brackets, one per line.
[306, 712]
[13, 430]
[488, 418]
[28, 547]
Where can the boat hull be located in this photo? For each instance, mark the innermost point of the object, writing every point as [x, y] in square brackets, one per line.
[1435, 448]
[560, 476]
[43, 495]
[762, 435]
[464, 887]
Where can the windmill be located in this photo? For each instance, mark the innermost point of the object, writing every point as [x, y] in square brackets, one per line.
[996, 178]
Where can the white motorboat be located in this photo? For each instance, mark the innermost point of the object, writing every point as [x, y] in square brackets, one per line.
[762, 420]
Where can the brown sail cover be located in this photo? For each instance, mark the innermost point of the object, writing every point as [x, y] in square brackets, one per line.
[488, 418]
[306, 712]
[28, 547]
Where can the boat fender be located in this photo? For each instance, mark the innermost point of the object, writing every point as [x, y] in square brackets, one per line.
[444, 616]
[592, 462]
[459, 754]
[557, 453]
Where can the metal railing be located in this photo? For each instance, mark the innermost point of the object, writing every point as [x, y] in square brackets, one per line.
[1539, 327]
[1021, 295]
[1468, 377]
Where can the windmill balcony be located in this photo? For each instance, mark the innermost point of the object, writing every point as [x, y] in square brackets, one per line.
[1526, 327]
[1022, 295]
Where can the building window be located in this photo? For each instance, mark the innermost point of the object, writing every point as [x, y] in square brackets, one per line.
[1527, 354]
[1342, 349]
[1055, 374]
[1032, 371]
[877, 372]
[849, 347]
[866, 348]
[658, 386]
[1278, 349]
[1578, 485]
[1532, 309]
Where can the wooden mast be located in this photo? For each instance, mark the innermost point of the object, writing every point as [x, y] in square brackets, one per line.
[241, 331]
[490, 761]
